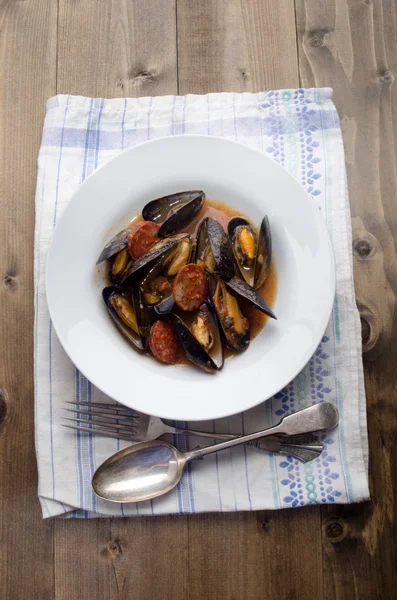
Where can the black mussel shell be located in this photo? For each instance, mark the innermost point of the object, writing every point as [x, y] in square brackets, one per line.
[164, 307]
[173, 212]
[208, 361]
[248, 293]
[135, 339]
[264, 253]
[167, 301]
[200, 243]
[221, 250]
[211, 232]
[115, 245]
[143, 315]
[159, 249]
[244, 250]
[239, 340]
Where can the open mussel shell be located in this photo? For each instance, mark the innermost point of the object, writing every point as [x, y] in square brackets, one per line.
[234, 325]
[178, 257]
[213, 248]
[114, 245]
[244, 244]
[252, 251]
[143, 315]
[205, 350]
[156, 290]
[264, 253]
[241, 288]
[160, 249]
[123, 313]
[119, 265]
[175, 211]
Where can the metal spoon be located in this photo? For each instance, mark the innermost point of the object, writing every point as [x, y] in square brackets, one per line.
[150, 469]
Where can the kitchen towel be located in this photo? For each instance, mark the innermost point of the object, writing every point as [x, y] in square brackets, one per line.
[300, 130]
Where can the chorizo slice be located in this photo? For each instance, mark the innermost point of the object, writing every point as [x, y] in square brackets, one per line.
[190, 287]
[163, 342]
[142, 238]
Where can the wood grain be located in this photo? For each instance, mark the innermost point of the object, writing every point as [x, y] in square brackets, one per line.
[28, 79]
[353, 47]
[80, 565]
[254, 555]
[152, 558]
[236, 46]
[117, 48]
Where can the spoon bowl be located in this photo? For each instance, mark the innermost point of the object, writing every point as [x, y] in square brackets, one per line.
[139, 473]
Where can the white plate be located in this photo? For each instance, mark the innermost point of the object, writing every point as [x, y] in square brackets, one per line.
[227, 171]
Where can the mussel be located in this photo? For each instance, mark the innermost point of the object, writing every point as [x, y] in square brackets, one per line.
[117, 243]
[157, 289]
[200, 338]
[264, 254]
[234, 325]
[248, 293]
[252, 250]
[143, 315]
[175, 211]
[160, 249]
[124, 314]
[213, 249]
[119, 265]
[178, 257]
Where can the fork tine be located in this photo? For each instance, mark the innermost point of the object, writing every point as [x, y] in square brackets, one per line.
[97, 413]
[113, 421]
[112, 407]
[113, 428]
[117, 436]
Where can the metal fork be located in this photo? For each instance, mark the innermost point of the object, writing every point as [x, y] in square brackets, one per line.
[120, 422]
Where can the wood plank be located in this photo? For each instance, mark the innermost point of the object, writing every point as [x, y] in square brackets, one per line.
[256, 556]
[118, 48]
[150, 557]
[107, 49]
[236, 46]
[81, 554]
[352, 46]
[116, 559]
[28, 78]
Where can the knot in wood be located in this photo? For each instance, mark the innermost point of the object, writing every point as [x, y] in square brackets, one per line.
[361, 248]
[142, 76]
[335, 529]
[368, 1]
[9, 281]
[316, 38]
[114, 548]
[3, 406]
[244, 73]
[386, 76]
[365, 331]
[266, 524]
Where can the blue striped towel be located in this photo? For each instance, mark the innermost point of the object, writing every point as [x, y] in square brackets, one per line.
[300, 130]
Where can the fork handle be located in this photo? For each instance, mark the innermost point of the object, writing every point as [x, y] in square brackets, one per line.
[302, 452]
[204, 434]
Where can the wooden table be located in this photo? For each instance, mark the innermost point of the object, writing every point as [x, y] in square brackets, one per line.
[150, 47]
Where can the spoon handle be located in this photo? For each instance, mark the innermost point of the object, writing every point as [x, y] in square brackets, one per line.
[315, 418]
